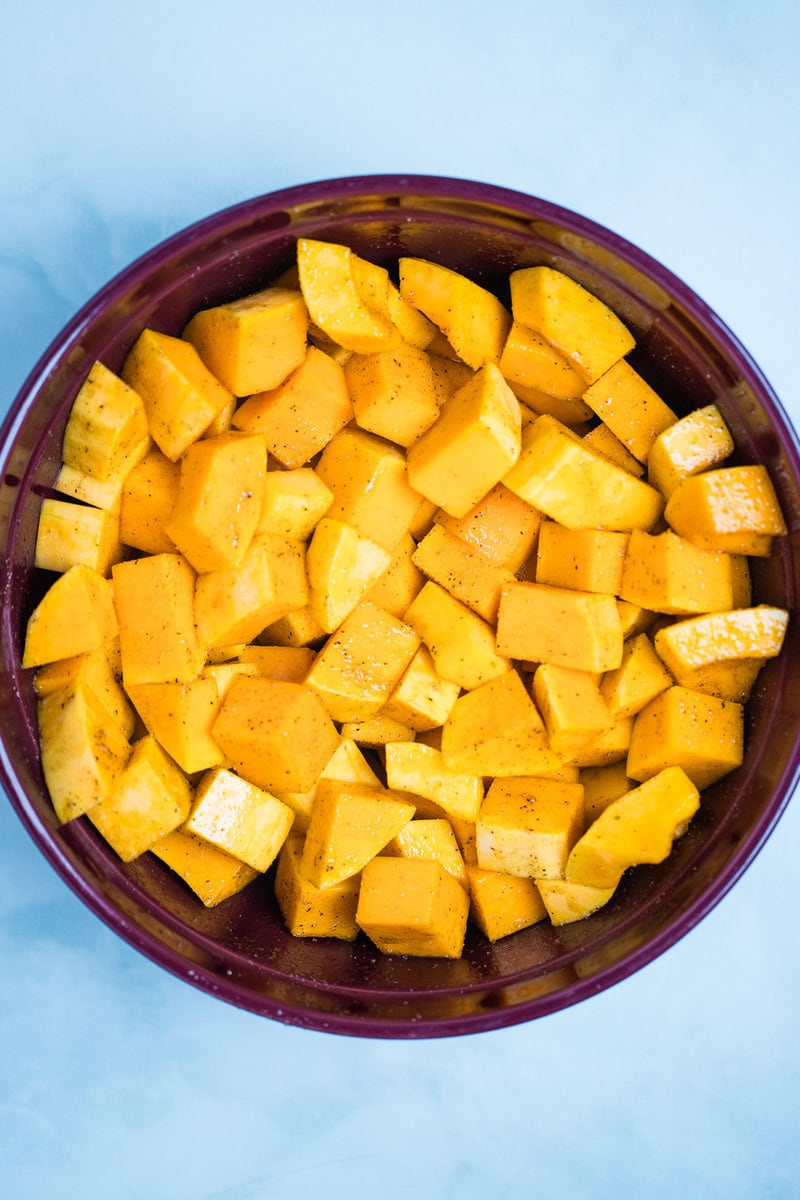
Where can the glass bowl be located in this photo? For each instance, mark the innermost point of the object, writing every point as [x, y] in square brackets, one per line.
[240, 950]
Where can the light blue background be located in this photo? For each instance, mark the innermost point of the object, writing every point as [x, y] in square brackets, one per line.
[676, 125]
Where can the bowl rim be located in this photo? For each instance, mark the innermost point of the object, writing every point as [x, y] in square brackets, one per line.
[214, 227]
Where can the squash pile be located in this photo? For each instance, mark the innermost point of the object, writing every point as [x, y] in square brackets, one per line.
[438, 609]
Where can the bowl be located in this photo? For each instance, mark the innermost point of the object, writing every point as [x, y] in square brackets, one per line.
[240, 950]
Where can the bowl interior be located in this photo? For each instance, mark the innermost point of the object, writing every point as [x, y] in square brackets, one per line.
[240, 950]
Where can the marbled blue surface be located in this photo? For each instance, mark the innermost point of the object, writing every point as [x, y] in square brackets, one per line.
[676, 125]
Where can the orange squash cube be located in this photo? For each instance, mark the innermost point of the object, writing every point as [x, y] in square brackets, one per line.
[310, 911]
[181, 397]
[277, 735]
[528, 826]
[474, 442]
[211, 874]
[543, 624]
[350, 823]
[702, 735]
[298, 418]
[219, 500]
[393, 393]
[412, 906]
[502, 904]
[149, 799]
[474, 321]
[630, 408]
[154, 600]
[253, 343]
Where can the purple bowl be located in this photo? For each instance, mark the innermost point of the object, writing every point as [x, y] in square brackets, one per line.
[240, 950]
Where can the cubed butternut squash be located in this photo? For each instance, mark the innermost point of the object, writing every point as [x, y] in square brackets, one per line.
[253, 343]
[149, 799]
[528, 826]
[309, 911]
[734, 509]
[154, 601]
[561, 476]
[350, 823]
[276, 734]
[639, 827]
[412, 906]
[471, 446]
[106, 422]
[584, 329]
[473, 320]
[299, 417]
[539, 624]
[181, 397]
[701, 734]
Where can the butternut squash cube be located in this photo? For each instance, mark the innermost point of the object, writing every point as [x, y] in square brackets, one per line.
[350, 823]
[370, 485]
[181, 397]
[94, 669]
[149, 799]
[502, 904]
[586, 560]
[358, 667]
[602, 441]
[333, 300]
[668, 574]
[148, 497]
[298, 418]
[462, 644]
[376, 731]
[630, 408]
[561, 476]
[82, 749]
[501, 526]
[731, 508]
[293, 504]
[681, 728]
[695, 443]
[422, 771]
[638, 828]
[581, 327]
[528, 826]
[717, 637]
[575, 714]
[730, 679]
[530, 360]
[154, 600]
[290, 663]
[430, 838]
[239, 818]
[347, 765]
[462, 570]
[393, 393]
[253, 343]
[102, 493]
[342, 566]
[70, 534]
[640, 677]
[297, 628]
[496, 730]
[610, 747]
[535, 403]
[412, 906]
[449, 374]
[422, 699]
[76, 614]
[106, 422]
[474, 442]
[219, 500]
[212, 874]
[567, 902]
[236, 605]
[181, 717]
[381, 295]
[310, 911]
[601, 785]
[474, 321]
[394, 590]
[276, 734]
[539, 624]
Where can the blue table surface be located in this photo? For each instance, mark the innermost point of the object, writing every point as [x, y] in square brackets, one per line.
[677, 126]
